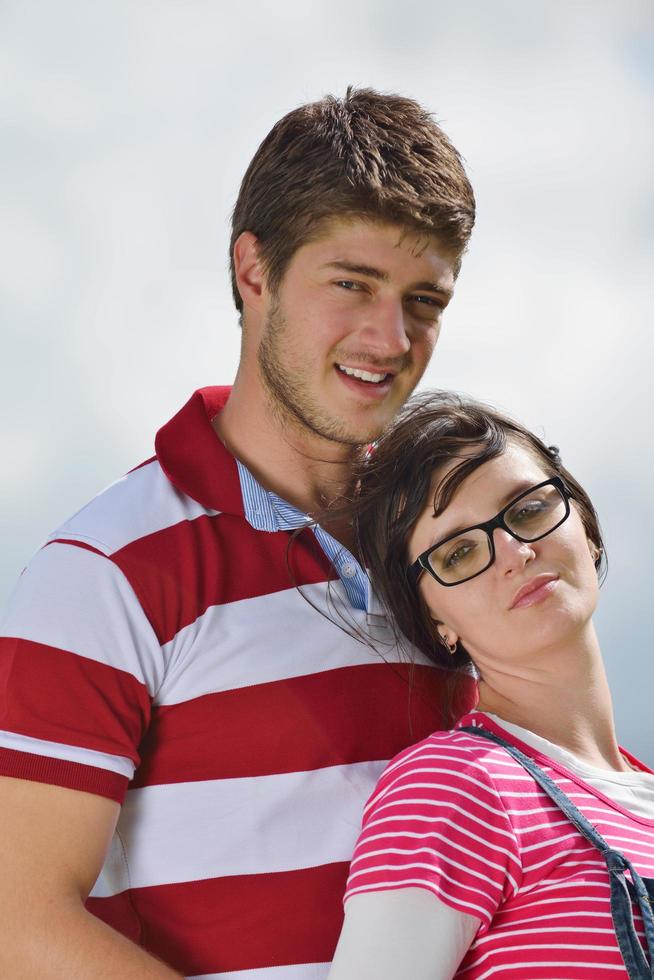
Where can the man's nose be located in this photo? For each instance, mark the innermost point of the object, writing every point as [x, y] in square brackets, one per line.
[386, 330]
[511, 554]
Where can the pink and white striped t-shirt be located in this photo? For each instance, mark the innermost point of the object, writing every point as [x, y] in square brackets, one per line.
[458, 816]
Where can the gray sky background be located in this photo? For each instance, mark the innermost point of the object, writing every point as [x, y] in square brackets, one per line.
[126, 127]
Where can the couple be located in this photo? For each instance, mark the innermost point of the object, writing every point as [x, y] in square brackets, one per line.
[200, 692]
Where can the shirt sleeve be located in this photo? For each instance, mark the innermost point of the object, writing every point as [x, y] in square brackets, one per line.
[79, 662]
[405, 932]
[437, 821]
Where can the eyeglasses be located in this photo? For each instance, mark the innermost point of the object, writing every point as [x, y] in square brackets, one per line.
[464, 555]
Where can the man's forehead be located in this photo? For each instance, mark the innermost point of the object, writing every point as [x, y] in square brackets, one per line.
[348, 241]
[417, 241]
[353, 226]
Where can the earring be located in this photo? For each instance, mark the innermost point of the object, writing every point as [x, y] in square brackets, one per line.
[450, 646]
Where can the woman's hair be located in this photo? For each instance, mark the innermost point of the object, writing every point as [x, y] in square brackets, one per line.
[395, 479]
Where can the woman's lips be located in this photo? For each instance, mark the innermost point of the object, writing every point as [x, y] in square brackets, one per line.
[537, 589]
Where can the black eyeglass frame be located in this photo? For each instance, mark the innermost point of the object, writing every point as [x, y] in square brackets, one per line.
[421, 564]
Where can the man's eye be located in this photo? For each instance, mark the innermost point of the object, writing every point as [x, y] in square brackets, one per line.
[348, 284]
[428, 305]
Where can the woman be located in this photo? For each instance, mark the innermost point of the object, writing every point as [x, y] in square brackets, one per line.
[471, 862]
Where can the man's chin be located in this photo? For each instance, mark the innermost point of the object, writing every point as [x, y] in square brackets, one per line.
[354, 438]
[350, 429]
[341, 431]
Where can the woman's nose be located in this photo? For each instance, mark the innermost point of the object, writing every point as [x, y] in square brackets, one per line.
[511, 554]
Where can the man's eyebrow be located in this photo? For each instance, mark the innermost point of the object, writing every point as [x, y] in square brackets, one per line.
[360, 270]
[380, 276]
[433, 287]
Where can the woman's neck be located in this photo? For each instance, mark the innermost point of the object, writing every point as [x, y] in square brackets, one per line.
[567, 702]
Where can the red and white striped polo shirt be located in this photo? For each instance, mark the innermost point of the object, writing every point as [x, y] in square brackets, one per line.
[458, 816]
[157, 651]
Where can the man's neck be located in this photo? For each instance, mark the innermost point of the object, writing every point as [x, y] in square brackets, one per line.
[304, 469]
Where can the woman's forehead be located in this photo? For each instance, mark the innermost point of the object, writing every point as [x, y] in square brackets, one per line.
[489, 482]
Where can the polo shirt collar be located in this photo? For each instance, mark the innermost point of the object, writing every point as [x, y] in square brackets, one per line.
[193, 457]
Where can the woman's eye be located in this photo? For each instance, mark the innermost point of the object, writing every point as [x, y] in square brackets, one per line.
[529, 510]
[459, 554]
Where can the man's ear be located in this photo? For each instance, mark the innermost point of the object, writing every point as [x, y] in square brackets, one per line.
[248, 269]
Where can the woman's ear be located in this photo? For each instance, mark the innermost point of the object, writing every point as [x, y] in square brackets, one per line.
[447, 636]
[595, 551]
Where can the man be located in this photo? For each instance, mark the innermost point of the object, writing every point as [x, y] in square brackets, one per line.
[197, 697]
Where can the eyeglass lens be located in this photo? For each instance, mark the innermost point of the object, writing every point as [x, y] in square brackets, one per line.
[532, 516]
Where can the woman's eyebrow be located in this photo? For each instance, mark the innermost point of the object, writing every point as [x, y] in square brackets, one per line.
[517, 490]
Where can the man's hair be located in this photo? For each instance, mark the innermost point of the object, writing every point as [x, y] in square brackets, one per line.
[366, 155]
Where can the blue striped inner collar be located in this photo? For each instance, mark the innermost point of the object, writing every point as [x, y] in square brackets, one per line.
[266, 511]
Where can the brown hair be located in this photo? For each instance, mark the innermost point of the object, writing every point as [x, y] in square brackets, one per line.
[394, 483]
[367, 155]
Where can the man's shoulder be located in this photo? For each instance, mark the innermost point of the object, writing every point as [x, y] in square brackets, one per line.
[139, 504]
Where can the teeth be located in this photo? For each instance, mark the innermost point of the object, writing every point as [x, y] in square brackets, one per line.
[362, 375]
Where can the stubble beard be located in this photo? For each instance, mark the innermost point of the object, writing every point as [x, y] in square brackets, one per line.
[289, 396]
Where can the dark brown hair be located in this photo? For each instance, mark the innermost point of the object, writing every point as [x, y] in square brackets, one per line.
[366, 155]
[395, 481]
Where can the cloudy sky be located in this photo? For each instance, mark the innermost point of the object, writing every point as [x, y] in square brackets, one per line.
[126, 127]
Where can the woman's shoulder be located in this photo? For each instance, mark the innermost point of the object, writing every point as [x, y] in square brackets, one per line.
[455, 746]
[451, 763]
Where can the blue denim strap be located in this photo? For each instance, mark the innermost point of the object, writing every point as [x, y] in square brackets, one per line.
[622, 891]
